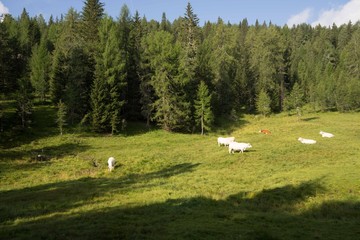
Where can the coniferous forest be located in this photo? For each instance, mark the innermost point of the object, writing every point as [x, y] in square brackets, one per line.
[102, 72]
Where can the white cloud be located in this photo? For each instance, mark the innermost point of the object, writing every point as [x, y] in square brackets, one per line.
[341, 15]
[3, 9]
[299, 18]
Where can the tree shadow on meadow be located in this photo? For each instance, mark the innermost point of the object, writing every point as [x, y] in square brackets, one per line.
[43, 125]
[309, 119]
[63, 196]
[227, 125]
[270, 214]
[44, 153]
[36, 158]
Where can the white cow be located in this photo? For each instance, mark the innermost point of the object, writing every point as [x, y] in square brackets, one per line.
[306, 141]
[235, 146]
[326, 134]
[111, 163]
[225, 141]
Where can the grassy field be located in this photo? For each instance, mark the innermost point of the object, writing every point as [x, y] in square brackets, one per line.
[183, 186]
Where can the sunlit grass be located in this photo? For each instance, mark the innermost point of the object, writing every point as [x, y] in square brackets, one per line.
[171, 185]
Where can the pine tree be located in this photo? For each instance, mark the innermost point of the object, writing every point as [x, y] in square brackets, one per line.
[24, 104]
[24, 33]
[100, 97]
[133, 105]
[39, 69]
[222, 67]
[57, 81]
[171, 110]
[347, 84]
[295, 100]
[99, 101]
[165, 25]
[147, 94]
[61, 116]
[110, 80]
[266, 62]
[263, 102]
[187, 77]
[243, 81]
[6, 54]
[203, 112]
[92, 13]
[71, 71]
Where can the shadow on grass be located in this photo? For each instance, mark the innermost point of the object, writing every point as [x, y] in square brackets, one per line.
[46, 153]
[309, 119]
[270, 214]
[63, 196]
[43, 125]
[226, 126]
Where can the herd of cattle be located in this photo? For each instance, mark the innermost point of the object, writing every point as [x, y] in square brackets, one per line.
[241, 147]
[238, 146]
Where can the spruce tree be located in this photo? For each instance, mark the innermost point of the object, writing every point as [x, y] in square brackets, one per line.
[100, 97]
[133, 105]
[6, 54]
[187, 77]
[266, 62]
[61, 116]
[24, 34]
[147, 94]
[171, 110]
[57, 81]
[165, 24]
[71, 70]
[263, 103]
[24, 105]
[190, 39]
[203, 113]
[39, 69]
[110, 80]
[295, 100]
[92, 13]
[222, 65]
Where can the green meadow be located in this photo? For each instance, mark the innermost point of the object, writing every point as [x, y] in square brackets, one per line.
[183, 186]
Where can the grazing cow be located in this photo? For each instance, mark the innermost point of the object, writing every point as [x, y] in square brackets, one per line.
[306, 141]
[225, 141]
[111, 163]
[235, 146]
[326, 134]
[265, 131]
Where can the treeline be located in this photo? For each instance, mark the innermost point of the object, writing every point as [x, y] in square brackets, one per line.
[180, 75]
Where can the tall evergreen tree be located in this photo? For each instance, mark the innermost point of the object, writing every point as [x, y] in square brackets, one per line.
[61, 116]
[263, 103]
[6, 56]
[165, 25]
[39, 69]
[133, 106]
[295, 100]
[92, 13]
[110, 80]
[223, 67]
[203, 113]
[24, 105]
[243, 81]
[266, 61]
[170, 106]
[70, 71]
[347, 84]
[24, 33]
[147, 94]
[189, 40]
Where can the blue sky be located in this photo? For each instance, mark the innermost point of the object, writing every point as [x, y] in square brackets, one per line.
[279, 12]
